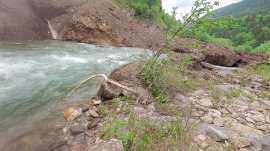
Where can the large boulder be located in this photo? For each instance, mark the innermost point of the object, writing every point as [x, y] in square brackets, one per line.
[127, 75]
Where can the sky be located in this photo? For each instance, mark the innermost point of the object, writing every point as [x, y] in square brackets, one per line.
[185, 5]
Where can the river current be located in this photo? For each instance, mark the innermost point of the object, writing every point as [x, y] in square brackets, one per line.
[37, 79]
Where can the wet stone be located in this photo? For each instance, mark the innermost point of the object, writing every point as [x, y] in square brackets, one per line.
[85, 109]
[77, 129]
[93, 123]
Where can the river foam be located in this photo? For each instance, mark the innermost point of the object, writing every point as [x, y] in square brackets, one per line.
[36, 75]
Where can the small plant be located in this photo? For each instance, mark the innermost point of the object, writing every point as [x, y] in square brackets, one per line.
[104, 112]
[235, 93]
[241, 135]
[215, 105]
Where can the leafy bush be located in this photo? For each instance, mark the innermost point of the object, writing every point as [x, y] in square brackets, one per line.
[263, 48]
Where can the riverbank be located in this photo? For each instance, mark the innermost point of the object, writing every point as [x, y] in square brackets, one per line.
[209, 108]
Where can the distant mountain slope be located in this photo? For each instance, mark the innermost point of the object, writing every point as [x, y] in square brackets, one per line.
[245, 7]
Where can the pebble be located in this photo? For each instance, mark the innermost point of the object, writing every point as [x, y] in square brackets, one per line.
[71, 114]
[92, 113]
[96, 102]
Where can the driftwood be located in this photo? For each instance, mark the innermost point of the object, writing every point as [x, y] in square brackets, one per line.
[109, 81]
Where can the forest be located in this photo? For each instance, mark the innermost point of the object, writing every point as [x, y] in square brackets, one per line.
[250, 33]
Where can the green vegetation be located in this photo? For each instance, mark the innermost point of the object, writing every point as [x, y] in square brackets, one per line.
[252, 34]
[147, 134]
[262, 71]
[245, 8]
[149, 9]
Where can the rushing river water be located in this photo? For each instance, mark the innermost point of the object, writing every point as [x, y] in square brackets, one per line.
[35, 76]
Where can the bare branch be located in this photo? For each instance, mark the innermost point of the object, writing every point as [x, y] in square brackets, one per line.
[109, 81]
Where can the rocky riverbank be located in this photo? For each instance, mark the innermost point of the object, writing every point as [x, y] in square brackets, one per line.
[233, 114]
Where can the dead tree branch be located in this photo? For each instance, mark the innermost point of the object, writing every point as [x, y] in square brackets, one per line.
[107, 80]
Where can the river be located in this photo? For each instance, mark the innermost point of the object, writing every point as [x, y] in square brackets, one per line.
[37, 78]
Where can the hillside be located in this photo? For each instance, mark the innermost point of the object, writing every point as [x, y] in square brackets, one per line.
[245, 8]
[252, 33]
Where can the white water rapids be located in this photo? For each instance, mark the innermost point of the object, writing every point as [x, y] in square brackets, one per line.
[36, 75]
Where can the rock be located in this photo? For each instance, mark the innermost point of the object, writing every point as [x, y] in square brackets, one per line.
[250, 135]
[242, 99]
[234, 115]
[85, 109]
[236, 81]
[255, 105]
[203, 128]
[216, 134]
[265, 143]
[240, 104]
[205, 102]
[108, 91]
[93, 123]
[266, 104]
[207, 119]
[241, 142]
[218, 122]
[262, 127]
[64, 130]
[199, 107]
[231, 110]
[215, 111]
[260, 110]
[151, 108]
[71, 114]
[199, 93]
[250, 120]
[215, 115]
[112, 145]
[92, 113]
[245, 130]
[204, 144]
[201, 137]
[77, 129]
[267, 119]
[244, 149]
[259, 118]
[242, 116]
[96, 102]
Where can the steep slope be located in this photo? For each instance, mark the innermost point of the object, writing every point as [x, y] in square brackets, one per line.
[98, 22]
[19, 21]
